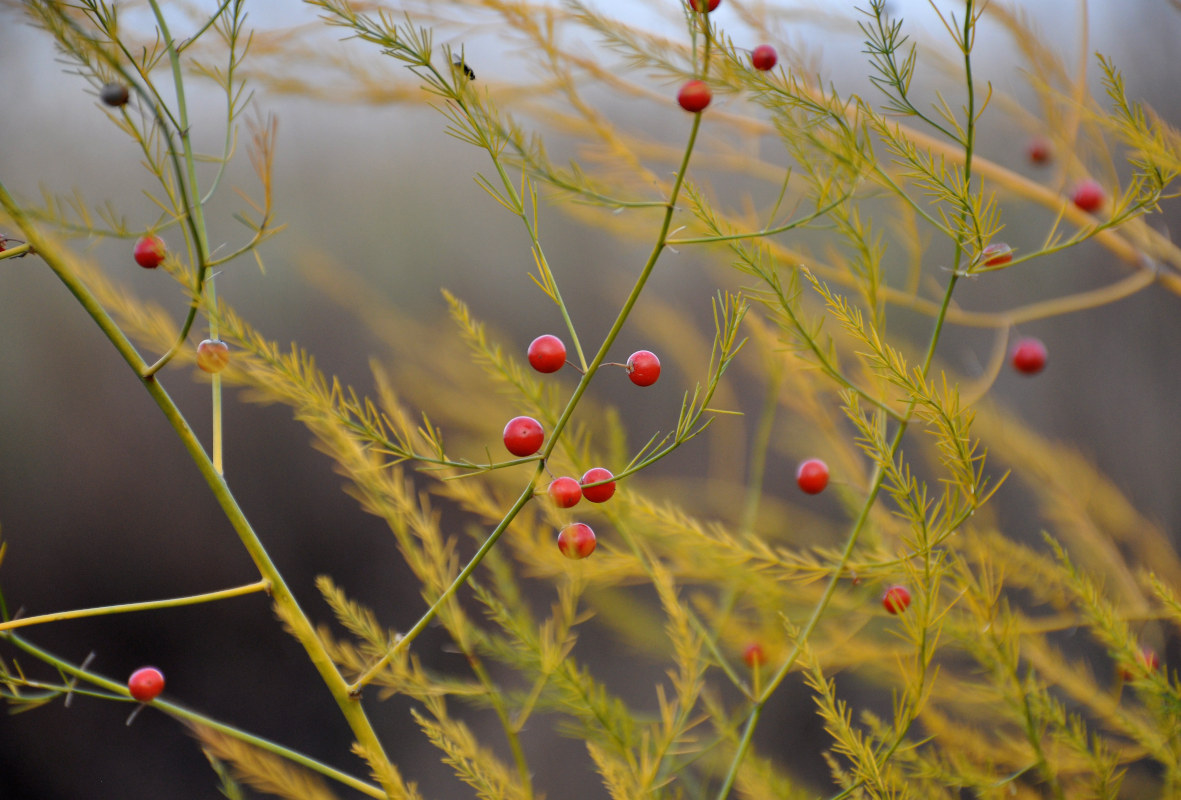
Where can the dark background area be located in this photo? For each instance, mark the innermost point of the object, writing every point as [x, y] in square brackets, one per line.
[99, 503]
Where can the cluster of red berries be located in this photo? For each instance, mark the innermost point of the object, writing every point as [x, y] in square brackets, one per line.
[1087, 195]
[577, 540]
[523, 436]
[547, 353]
[695, 95]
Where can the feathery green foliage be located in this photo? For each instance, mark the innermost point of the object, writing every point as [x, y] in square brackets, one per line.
[1018, 669]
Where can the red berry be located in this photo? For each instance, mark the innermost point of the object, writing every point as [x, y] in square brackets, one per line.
[523, 436]
[643, 368]
[694, 96]
[149, 251]
[753, 655]
[1029, 356]
[702, 6]
[1147, 661]
[601, 493]
[577, 540]
[896, 599]
[997, 254]
[113, 94]
[812, 476]
[764, 57]
[213, 355]
[1039, 150]
[565, 492]
[547, 353]
[1089, 196]
[145, 684]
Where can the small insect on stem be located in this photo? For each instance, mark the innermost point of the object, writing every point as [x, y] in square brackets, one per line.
[459, 63]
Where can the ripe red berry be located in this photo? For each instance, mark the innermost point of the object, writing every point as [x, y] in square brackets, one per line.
[1039, 150]
[896, 599]
[577, 540]
[997, 254]
[1029, 356]
[523, 436]
[547, 353]
[145, 684]
[1147, 661]
[694, 96]
[1089, 196]
[565, 492]
[643, 368]
[601, 493]
[753, 655]
[213, 355]
[764, 57]
[149, 251]
[113, 94]
[812, 476]
[704, 6]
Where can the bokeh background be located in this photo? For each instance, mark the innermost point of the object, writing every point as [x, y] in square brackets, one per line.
[99, 504]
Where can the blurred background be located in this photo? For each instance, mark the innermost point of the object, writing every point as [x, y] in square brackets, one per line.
[99, 503]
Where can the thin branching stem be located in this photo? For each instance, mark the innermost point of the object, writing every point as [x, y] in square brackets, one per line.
[147, 605]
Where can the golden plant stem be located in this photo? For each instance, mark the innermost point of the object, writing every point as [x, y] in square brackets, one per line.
[148, 605]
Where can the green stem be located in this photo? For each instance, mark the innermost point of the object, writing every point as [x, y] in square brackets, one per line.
[206, 288]
[460, 579]
[285, 601]
[511, 730]
[149, 605]
[762, 442]
[180, 712]
[552, 441]
[879, 473]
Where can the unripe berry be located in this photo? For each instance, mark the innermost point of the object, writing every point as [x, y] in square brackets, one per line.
[764, 57]
[996, 254]
[113, 94]
[149, 251]
[896, 599]
[576, 541]
[812, 476]
[601, 493]
[643, 368]
[1029, 356]
[565, 492]
[523, 436]
[694, 96]
[145, 684]
[1089, 196]
[547, 353]
[213, 355]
